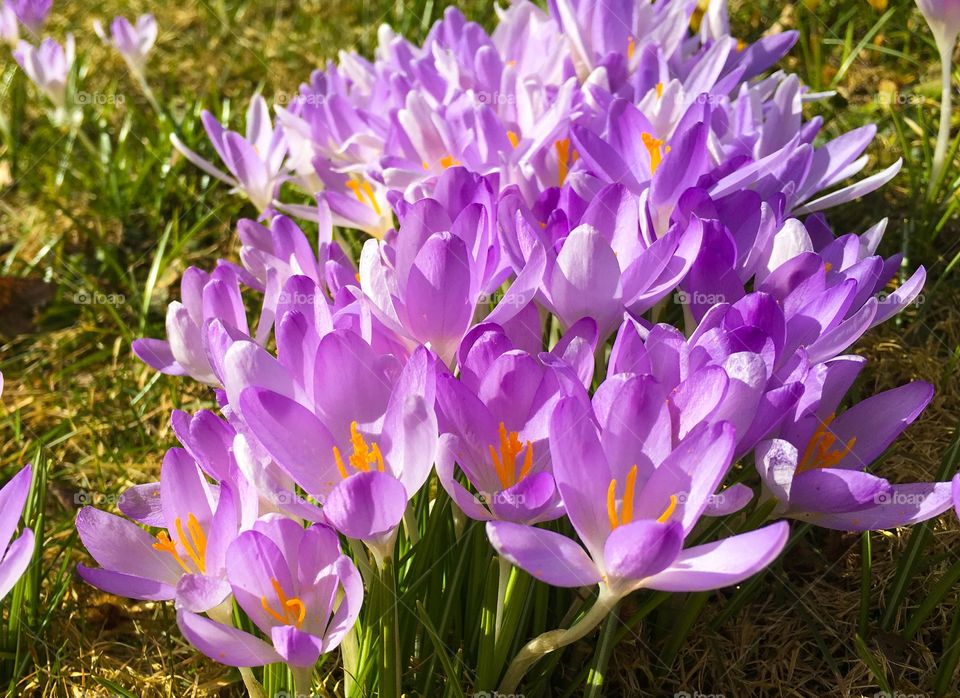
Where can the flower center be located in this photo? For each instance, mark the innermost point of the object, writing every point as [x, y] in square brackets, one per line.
[193, 541]
[566, 156]
[625, 515]
[291, 612]
[820, 452]
[654, 146]
[363, 455]
[364, 193]
[505, 462]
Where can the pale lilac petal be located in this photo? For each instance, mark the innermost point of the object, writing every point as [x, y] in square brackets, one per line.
[548, 556]
[723, 563]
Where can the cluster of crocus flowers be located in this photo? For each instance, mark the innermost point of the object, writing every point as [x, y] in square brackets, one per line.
[598, 276]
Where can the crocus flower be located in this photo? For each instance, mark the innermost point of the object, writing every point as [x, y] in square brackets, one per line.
[16, 555]
[816, 468]
[597, 263]
[255, 162]
[361, 438]
[132, 42]
[428, 283]
[943, 16]
[297, 588]
[48, 66]
[32, 13]
[204, 298]
[9, 32]
[186, 560]
[632, 524]
[497, 419]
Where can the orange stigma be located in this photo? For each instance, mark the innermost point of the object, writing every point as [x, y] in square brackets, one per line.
[193, 542]
[565, 157]
[505, 462]
[625, 515]
[364, 193]
[818, 453]
[656, 150]
[292, 611]
[448, 161]
[363, 455]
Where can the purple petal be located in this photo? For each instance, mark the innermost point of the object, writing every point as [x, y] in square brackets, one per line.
[15, 561]
[641, 549]
[13, 497]
[548, 556]
[366, 506]
[723, 563]
[225, 644]
[129, 585]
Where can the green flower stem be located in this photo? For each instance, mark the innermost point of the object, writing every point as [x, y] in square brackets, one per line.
[389, 630]
[505, 569]
[555, 639]
[943, 134]
[598, 670]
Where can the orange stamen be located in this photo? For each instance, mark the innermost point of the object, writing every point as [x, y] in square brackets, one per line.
[194, 543]
[505, 461]
[364, 455]
[292, 610]
[655, 148]
[818, 453]
[626, 507]
[364, 193]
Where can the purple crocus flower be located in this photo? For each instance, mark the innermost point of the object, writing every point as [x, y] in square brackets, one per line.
[297, 588]
[255, 162]
[633, 523]
[597, 263]
[48, 66]
[9, 31]
[428, 281]
[186, 560]
[32, 13]
[132, 42]
[816, 468]
[360, 436]
[204, 298]
[16, 556]
[497, 417]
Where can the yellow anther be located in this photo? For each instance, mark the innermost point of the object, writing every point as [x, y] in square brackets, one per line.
[820, 452]
[656, 150]
[626, 506]
[659, 90]
[741, 44]
[514, 138]
[631, 47]
[448, 161]
[193, 542]
[668, 512]
[505, 461]
[565, 157]
[364, 193]
[364, 455]
[292, 610]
